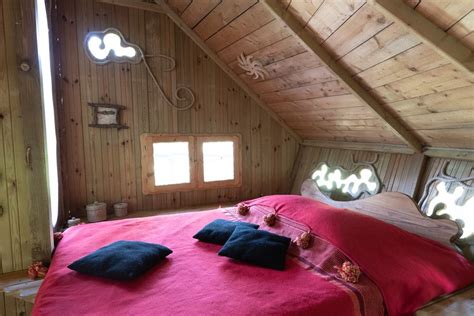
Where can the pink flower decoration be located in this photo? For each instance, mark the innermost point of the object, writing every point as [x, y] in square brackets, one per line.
[304, 240]
[349, 272]
[37, 270]
[243, 209]
[57, 238]
[270, 219]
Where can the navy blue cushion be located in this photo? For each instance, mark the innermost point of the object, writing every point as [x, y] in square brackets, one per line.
[257, 247]
[218, 231]
[121, 260]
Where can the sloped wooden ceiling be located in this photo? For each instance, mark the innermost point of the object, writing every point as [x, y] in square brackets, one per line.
[422, 91]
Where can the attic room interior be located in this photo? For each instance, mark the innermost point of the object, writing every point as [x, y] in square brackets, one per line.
[237, 157]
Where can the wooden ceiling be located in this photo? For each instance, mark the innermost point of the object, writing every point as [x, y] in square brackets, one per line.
[417, 88]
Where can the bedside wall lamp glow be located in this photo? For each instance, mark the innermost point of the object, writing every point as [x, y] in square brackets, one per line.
[103, 47]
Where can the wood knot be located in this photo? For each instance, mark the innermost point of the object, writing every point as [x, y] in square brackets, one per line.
[25, 67]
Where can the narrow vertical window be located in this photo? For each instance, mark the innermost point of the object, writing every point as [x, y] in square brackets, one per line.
[42, 40]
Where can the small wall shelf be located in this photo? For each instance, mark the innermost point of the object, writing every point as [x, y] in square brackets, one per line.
[107, 116]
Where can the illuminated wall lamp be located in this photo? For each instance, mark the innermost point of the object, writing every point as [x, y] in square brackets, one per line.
[107, 46]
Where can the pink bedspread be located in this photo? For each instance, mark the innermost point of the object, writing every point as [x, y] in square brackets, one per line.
[409, 270]
[194, 280]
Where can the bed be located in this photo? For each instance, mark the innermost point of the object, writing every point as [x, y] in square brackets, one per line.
[406, 258]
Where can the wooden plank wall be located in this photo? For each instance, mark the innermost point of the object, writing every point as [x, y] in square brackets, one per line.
[104, 164]
[397, 172]
[24, 213]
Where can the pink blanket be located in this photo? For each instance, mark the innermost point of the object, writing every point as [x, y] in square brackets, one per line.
[194, 280]
[409, 270]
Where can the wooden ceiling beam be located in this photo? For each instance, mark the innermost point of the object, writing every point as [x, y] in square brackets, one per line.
[340, 72]
[430, 34]
[382, 148]
[135, 4]
[162, 7]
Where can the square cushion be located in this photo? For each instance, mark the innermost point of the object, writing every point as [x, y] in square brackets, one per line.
[121, 260]
[257, 247]
[218, 231]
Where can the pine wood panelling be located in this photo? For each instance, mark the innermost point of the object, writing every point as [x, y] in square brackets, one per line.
[24, 206]
[435, 80]
[446, 101]
[331, 15]
[361, 26]
[464, 30]
[304, 9]
[382, 46]
[294, 79]
[225, 12]
[268, 34]
[110, 159]
[252, 19]
[444, 13]
[397, 172]
[419, 59]
[379, 53]
[197, 10]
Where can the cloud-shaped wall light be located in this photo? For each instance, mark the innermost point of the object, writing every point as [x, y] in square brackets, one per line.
[108, 46]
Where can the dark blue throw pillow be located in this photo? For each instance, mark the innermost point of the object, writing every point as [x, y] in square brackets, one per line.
[218, 231]
[257, 247]
[121, 260]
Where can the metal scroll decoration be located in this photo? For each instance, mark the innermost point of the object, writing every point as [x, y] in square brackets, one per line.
[107, 46]
[447, 196]
[347, 184]
[252, 67]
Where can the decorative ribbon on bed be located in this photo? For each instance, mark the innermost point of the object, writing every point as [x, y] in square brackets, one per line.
[319, 259]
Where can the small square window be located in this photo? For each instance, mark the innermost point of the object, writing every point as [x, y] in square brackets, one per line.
[174, 163]
[171, 163]
[218, 161]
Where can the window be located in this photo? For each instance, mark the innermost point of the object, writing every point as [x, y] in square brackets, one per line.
[42, 40]
[189, 162]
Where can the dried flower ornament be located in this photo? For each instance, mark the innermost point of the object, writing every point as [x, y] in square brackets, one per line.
[270, 219]
[254, 68]
[57, 238]
[243, 209]
[349, 272]
[304, 240]
[37, 270]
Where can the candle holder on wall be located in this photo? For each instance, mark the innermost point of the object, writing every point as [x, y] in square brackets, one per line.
[107, 116]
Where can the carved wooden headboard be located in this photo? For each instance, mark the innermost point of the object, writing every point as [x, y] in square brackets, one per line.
[394, 208]
[445, 196]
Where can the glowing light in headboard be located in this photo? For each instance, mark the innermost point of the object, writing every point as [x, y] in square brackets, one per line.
[447, 203]
[352, 182]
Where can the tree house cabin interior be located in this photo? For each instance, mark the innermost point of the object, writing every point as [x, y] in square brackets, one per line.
[344, 129]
